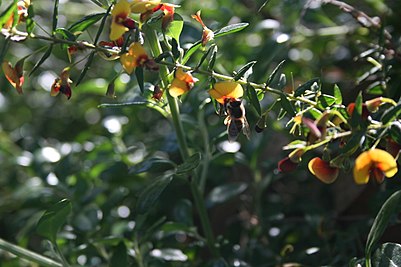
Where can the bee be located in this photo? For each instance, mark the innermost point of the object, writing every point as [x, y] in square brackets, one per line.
[235, 120]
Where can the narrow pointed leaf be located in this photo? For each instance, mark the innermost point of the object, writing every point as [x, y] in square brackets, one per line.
[253, 97]
[243, 70]
[55, 15]
[51, 222]
[391, 114]
[337, 94]
[30, 23]
[42, 59]
[152, 192]
[230, 29]
[175, 28]
[224, 193]
[86, 68]
[175, 49]
[212, 59]
[140, 78]
[204, 56]
[304, 87]
[86, 22]
[389, 208]
[8, 13]
[286, 105]
[189, 164]
[274, 73]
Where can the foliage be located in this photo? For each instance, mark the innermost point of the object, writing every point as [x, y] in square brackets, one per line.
[135, 167]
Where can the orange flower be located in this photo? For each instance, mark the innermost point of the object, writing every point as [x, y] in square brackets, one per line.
[365, 111]
[62, 84]
[120, 22]
[287, 165]
[14, 75]
[374, 163]
[141, 6]
[207, 33]
[135, 57]
[227, 89]
[322, 170]
[182, 83]
[22, 6]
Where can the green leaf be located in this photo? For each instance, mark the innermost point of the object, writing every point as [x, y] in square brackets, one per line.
[175, 49]
[66, 34]
[243, 70]
[353, 143]
[30, 23]
[152, 165]
[55, 15]
[169, 254]
[120, 256]
[304, 87]
[286, 105]
[224, 193]
[230, 29]
[391, 114]
[175, 28]
[224, 31]
[357, 113]
[337, 95]
[189, 164]
[52, 220]
[212, 60]
[85, 22]
[152, 192]
[205, 55]
[8, 13]
[274, 73]
[395, 131]
[390, 207]
[325, 101]
[86, 68]
[253, 97]
[42, 59]
[140, 78]
[389, 254]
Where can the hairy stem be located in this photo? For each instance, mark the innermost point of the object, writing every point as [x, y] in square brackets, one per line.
[154, 43]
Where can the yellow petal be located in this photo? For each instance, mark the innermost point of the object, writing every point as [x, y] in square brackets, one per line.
[122, 7]
[129, 62]
[374, 159]
[120, 10]
[216, 95]
[141, 6]
[137, 50]
[116, 31]
[228, 89]
[177, 87]
[322, 170]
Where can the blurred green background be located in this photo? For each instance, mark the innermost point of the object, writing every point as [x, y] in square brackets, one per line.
[102, 158]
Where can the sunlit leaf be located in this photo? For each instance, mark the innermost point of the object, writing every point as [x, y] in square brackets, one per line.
[52, 220]
[337, 95]
[30, 23]
[7, 13]
[224, 193]
[243, 70]
[389, 208]
[274, 73]
[151, 193]
[169, 254]
[230, 29]
[391, 114]
[175, 27]
[389, 254]
[304, 87]
[85, 22]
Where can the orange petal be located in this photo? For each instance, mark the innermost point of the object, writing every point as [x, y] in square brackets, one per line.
[374, 159]
[287, 165]
[141, 6]
[322, 170]
[178, 87]
[226, 89]
[129, 62]
[12, 76]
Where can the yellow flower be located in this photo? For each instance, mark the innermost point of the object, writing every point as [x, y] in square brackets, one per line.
[141, 6]
[322, 170]
[182, 83]
[226, 89]
[376, 163]
[120, 19]
[135, 57]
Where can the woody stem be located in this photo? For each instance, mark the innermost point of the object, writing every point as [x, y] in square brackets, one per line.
[154, 43]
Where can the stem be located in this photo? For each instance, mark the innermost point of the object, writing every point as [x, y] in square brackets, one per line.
[175, 115]
[63, 260]
[28, 255]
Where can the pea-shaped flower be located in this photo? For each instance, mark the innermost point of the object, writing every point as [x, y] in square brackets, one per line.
[120, 22]
[322, 170]
[136, 56]
[227, 89]
[182, 83]
[375, 163]
[141, 6]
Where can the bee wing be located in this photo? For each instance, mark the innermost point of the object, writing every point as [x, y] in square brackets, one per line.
[246, 129]
[232, 131]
